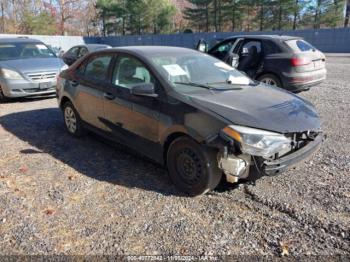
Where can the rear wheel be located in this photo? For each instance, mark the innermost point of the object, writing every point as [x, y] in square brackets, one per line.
[72, 120]
[3, 98]
[270, 80]
[192, 167]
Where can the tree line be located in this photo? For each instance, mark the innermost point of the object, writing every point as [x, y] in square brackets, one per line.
[136, 17]
[260, 15]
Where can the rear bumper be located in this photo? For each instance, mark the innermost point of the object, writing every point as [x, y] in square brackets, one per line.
[277, 166]
[24, 88]
[297, 82]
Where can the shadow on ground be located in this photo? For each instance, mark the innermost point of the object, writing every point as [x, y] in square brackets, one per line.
[28, 99]
[91, 155]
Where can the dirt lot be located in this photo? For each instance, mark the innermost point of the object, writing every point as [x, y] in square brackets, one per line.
[59, 195]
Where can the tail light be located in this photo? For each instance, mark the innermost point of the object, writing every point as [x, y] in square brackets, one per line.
[300, 61]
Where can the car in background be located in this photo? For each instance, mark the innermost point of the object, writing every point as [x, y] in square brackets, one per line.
[188, 111]
[76, 52]
[57, 50]
[27, 68]
[285, 61]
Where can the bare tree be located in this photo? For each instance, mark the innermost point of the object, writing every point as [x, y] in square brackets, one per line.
[66, 10]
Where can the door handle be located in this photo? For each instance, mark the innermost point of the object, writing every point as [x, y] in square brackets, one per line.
[74, 83]
[108, 96]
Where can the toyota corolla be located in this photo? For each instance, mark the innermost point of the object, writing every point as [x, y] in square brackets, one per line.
[191, 112]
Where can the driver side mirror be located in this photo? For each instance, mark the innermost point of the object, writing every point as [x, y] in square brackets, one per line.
[202, 46]
[233, 60]
[143, 89]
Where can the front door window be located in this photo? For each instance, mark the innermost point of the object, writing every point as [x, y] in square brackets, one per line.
[129, 72]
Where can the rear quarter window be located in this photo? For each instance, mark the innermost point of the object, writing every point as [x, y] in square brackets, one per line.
[270, 48]
[300, 45]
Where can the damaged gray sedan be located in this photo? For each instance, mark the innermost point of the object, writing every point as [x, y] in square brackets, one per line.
[190, 112]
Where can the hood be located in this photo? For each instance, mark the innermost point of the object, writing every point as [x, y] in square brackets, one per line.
[262, 107]
[32, 65]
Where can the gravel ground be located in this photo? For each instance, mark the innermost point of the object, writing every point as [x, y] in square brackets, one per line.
[59, 195]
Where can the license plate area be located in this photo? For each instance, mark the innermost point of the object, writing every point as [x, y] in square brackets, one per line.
[45, 85]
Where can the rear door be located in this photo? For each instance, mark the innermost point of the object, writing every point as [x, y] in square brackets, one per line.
[303, 49]
[91, 81]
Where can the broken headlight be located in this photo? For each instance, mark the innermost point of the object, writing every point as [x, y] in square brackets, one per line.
[258, 142]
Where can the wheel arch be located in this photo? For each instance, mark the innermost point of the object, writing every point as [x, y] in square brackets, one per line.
[64, 100]
[270, 73]
[171, 138]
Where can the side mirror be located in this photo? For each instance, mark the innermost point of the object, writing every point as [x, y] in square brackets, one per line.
[202, 46]
[233, 60]
[143, 89]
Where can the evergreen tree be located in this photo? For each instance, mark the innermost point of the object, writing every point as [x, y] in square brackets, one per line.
[199, 14]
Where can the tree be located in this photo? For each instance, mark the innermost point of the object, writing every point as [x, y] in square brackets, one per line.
[41, 24]
[232, 12]
[122, 17]
[199, 14]
[66, 10]
[347, 14]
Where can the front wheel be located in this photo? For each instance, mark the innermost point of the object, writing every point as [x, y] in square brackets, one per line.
[192, 168]
[72, 120]
[270, 79]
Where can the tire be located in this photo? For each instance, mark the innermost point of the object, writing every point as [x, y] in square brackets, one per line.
[192, 167]
[72, 120]
[270, 79]
[3, 98]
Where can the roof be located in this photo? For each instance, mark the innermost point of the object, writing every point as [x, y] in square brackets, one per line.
[153, 50]
[271, 37]
[93, 47]
[19, 40]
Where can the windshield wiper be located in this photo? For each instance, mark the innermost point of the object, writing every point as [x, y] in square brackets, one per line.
[195, 84]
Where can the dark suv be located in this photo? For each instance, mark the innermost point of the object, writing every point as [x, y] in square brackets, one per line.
[188, 111]
[285, 61]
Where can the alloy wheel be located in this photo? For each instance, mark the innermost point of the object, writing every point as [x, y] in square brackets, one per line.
[70, 119]
[269, 81]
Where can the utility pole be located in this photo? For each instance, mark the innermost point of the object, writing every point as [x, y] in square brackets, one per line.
[347, 13]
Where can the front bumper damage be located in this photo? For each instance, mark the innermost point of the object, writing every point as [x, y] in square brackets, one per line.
[236, 165]
[274, 167]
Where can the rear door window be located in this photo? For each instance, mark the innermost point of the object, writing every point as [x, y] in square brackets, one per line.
[300, 45]
[83, 51]
[250, 45]
[97, 68]
[74, 51]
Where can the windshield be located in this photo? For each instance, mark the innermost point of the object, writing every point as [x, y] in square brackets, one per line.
[186, 71]
[13, 51]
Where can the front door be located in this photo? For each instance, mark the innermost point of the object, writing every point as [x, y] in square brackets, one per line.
[133, 120]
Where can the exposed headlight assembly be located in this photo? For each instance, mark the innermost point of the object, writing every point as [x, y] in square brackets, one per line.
[10, 74]
[257, 142]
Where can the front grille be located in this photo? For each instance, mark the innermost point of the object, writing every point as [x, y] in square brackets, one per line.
[43, 76]
[37, 90]
[299, 140]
